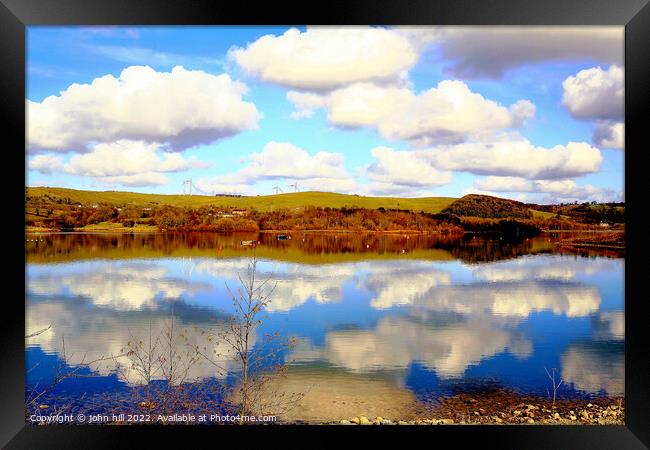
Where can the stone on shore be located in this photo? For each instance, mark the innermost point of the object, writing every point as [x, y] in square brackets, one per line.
[363, 420]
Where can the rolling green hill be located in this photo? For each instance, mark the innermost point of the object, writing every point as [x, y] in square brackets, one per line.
[485, 206]
[262, 202]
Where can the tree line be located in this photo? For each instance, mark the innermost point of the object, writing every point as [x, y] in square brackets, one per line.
[474, 213]
[210, 218]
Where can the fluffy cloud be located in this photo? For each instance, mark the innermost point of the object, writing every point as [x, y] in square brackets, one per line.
[516, 156]
[404, 168]
[610, 134]
[46, 164]
[522, 111]
[515, 160]
[305, 103]
[328, 57]
[356, 105]
[476, 52]
[342, 185]
[595, 93]
[181, 109]
[450, 112]
[130, 163]
[558, 190]
[392, 173]
[280, 160]
[504, 184]
[137, 180]
[128, 158]
[283, 159]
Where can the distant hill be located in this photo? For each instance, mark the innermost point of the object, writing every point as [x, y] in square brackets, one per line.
[293, 200]
[588, 212]
[474, 205]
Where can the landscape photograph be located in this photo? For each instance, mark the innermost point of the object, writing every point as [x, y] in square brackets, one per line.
[324, 225]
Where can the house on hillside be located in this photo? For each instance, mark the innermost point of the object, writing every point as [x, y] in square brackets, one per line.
[239, 212]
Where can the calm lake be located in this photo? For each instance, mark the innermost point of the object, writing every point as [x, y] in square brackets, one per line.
[380, 319]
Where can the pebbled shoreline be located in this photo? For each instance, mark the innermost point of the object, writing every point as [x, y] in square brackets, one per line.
[507, 408]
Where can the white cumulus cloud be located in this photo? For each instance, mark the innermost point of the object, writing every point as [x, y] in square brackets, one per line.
[518, 157]
[449, 112]
[126, 157]
[279, 160]
[46, 164]
[181, 108]
[404, 168]
[136, 180]
[391, 173]
[283, 159]
[131, 163]
[595, 93]
[610, 134]
[328, 57]
[557, 191]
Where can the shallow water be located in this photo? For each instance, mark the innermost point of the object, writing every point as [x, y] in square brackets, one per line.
[380, 319]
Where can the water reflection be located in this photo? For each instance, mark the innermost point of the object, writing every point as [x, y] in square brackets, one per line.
[360, 306]
[131, 286]
[303, 247]
[403, 284]
[397, 342]
[295, 284]
[609, 326]
[530, 268]
[512, 300]
[595, 368]
[90, 334]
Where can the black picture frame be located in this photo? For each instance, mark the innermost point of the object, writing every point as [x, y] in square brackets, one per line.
[16, 15]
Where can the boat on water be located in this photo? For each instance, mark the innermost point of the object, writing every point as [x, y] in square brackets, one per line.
[247, 242]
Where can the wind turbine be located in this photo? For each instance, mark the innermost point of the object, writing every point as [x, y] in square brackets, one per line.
[294, 186]
[189, 184]
[277, 189]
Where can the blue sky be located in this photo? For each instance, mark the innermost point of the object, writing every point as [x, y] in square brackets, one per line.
[526, 113]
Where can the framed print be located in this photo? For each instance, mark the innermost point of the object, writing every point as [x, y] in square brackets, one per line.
[417, 217]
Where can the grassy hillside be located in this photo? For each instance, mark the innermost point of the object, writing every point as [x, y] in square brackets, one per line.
[486, 206]
[262, 203]
[592, 213]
